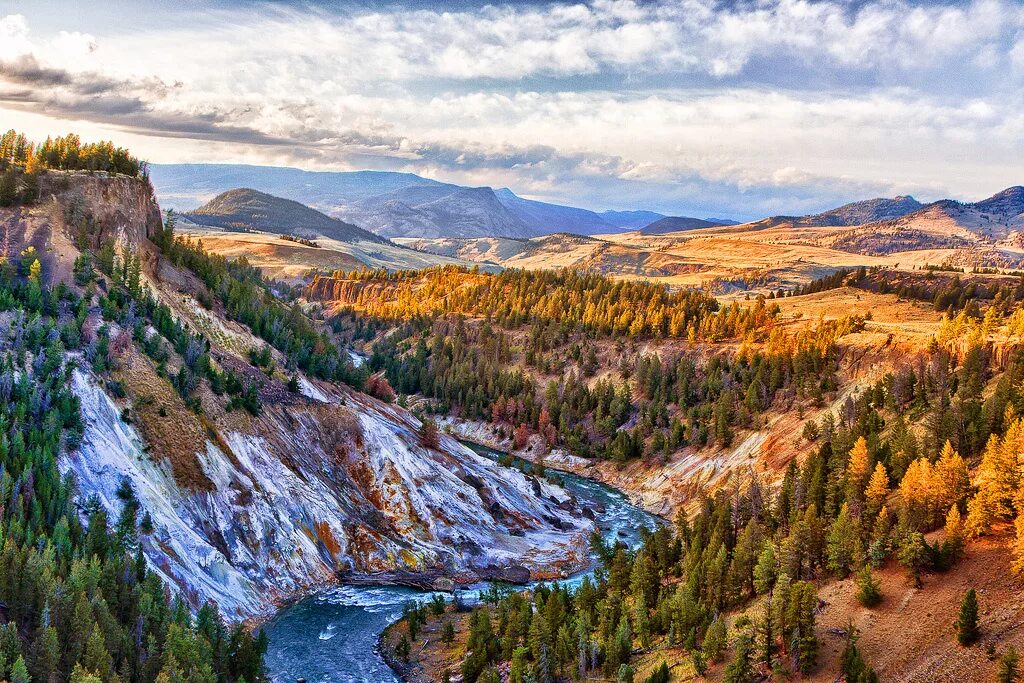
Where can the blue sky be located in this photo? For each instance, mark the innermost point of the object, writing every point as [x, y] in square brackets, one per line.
[694, 107]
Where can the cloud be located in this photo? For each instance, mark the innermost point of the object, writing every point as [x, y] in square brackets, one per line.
[122, 103]
[701, 37]
[755, 106]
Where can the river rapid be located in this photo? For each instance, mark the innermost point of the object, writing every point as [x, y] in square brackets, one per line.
[331, 637]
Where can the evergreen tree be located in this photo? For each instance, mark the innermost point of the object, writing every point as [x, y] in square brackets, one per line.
[715, 640]
[967, 631]
[741, 668]
[869, 593]
[1009, 667]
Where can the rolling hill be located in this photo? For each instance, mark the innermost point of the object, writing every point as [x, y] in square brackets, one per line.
[245, 210]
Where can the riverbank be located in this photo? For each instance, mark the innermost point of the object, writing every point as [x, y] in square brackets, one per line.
[661, 486]
[641, 482]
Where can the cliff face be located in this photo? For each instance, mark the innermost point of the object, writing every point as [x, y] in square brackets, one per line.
[328, 483]
[316, 490]
[103, 208]
[344, 291]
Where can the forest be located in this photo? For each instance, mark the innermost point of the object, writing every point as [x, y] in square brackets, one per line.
[509, 357]
[867, 494]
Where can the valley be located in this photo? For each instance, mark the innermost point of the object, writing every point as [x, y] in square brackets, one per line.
[696, 447]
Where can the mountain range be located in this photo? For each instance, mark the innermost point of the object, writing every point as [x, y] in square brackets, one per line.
[393, 204]
[404, 205]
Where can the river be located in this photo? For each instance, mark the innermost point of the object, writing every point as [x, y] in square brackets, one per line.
[331, 637]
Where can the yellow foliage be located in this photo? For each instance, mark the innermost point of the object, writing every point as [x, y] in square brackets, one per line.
[877, 490]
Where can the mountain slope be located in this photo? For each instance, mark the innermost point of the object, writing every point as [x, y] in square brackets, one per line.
[866, 211]
[543, 218]
[436, 211]
[942, 224]
[247, 209]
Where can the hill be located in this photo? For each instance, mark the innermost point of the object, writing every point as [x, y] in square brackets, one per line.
[866, 211]
[246, 209]
[676, 224]
[942, 224]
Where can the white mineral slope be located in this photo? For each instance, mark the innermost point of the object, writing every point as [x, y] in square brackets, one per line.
[316, 490]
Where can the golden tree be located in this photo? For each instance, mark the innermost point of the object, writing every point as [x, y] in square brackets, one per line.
[877, 490]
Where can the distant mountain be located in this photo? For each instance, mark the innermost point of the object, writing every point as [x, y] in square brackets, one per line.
[436, 211]
[943, 224]
[247, 209]
[387, 203]
[186, 186]
[867, 211]
[543, 218]
[630, 220]
[677, 224]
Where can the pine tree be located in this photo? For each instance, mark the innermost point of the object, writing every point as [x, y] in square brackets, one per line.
[19, 672]
[402, 648]
[448, 633]
[953, 543]
[741, 668]
[997, 480]
[1009, 667]
[715, 640]
[766, 570]
[917, 495]
[967, 631]
[803, 601]
[8, 187]
[97, 659]
[857, 471]
[868, 588]
[952, 480]
[844, 546]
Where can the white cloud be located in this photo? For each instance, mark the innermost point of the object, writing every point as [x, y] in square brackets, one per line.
[806, 98]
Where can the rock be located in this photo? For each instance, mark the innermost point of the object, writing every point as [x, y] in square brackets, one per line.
[442, 583]
[511, 574]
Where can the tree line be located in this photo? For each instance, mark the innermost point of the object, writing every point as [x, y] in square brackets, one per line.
[23, 161]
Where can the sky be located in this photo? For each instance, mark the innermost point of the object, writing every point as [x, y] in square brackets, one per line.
[690, 107]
